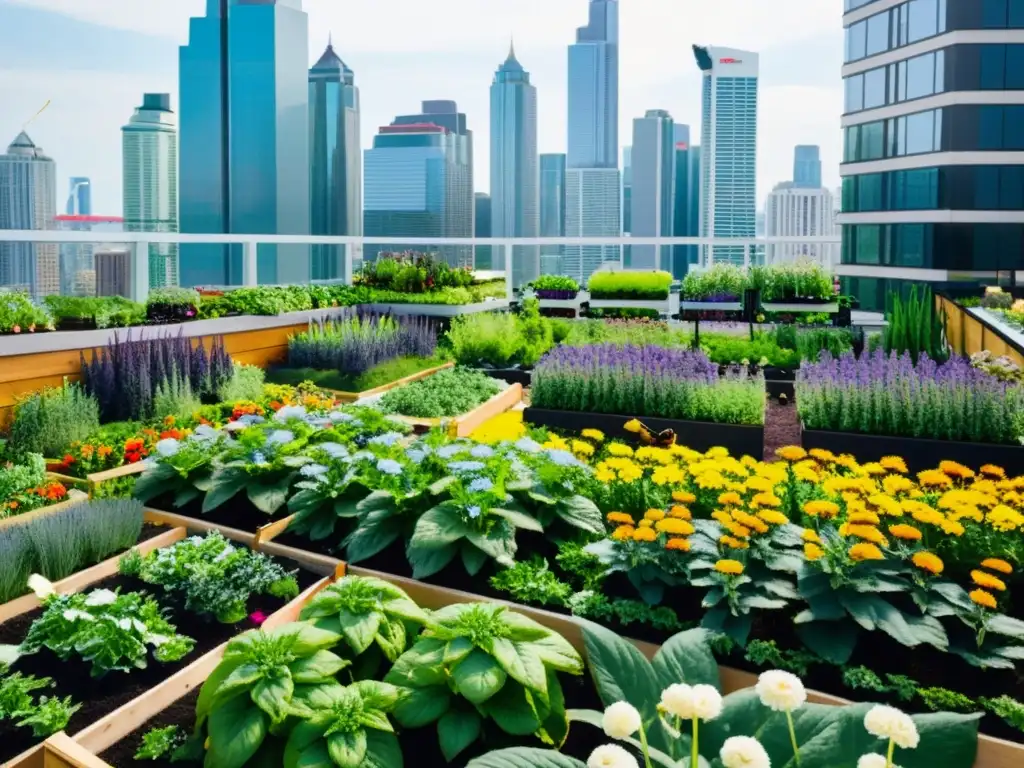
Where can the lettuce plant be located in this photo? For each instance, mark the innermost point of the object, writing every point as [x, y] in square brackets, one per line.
[478, 661]
[46, 716]
[350, 729]
[371, 616]
[262, 679]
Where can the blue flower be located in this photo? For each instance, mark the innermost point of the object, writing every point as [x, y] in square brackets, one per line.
[466, 466]
[340, 417]
[473, 512]
[417, 453]
[563, 458]
[334, 450]
[362, 456]
[204, 432]
[168, 447]
[482, 451]
[389, 467]
[280, 437]
[290, 412]
[480, 485]
[312, 470]
[250, 418]
[388, 438]
[527, 445]
[258, 457]
[447, 451]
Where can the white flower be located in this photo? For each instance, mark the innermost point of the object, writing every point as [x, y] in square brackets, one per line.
[707, 702]
[100, 597]
[611, 756]
[677, 700]
[40, 585]
[744, 752]
[168, 447]
[781, 691]
[290, 412]
[621, 720]
[73, 614]
[874, 761]
[890, 723]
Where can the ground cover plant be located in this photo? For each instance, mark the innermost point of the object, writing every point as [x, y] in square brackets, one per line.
[631, 285]
[643, 381]
[447, 393]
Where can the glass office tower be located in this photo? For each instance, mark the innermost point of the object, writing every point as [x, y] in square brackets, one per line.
[652, 189]
[552, 211]
[685, 201]
[807, 166]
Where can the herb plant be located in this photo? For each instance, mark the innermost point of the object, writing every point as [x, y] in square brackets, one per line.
[446, 393]
[45, 715]
[49, 420]
[158, 743]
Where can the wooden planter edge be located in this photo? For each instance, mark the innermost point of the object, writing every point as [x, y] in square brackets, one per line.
[77, 498]
[352, 397]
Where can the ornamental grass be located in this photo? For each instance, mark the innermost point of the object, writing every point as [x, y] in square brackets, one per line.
[645, 381]
[890, 395]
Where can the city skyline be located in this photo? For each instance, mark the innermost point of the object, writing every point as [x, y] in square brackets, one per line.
[675, 88]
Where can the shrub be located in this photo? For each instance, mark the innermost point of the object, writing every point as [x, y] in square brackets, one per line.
[412, 272]
[916, 327]
[172, 305]
[723, 282]
[648, 286]
[353, 343]
[19, 315]
[174, 399]
[104, 311]
[48, 421]
[246, 383]
[726, 349]
[996, 298]
[501, 340]
[555, 283]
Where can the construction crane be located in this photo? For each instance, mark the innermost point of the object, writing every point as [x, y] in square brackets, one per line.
[37, 114]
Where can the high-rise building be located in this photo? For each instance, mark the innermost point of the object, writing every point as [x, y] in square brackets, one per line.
[483, 255]
[728, 140]
[592, 209]
[807, 166]
[653, 188]
[77, 263]
[594, 90]
[552, 211]
[75, 257]
[933, 173]
[515, 175]
[149, 157]
[413, 187]
[459, 175]
[793, 211]
[79, 196]
[685, 201]
[244, 138]
[28, 200]
[627, 191]
[335, 161]
[113, 271]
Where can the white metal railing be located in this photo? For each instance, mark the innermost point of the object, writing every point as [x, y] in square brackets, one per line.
[824, 250]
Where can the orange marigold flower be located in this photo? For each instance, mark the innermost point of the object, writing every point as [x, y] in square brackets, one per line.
[926, 561]
[988, 581]
[905, 532]
[623, 532]
[934, 478]
[645, 523]
[766, 500]
[810, 534]
[683, 497]
[996, 564]
[865, 551]
[894, 464]
[644, 534]
[729, 567]
[863, 518]
[992, 470]
[984, 599]
[791, 453]
[104, 450]
[722, 516]
[680, 512]
[866, 532]
[620, 518]
[654, 515]
[87, 451]
[730, 498]
[821, 508]
[953, 528]
[733, 543]
[674, 526]
[822, 455]
[813, 552]
[737, 530]
[956, 469]
[679, 544]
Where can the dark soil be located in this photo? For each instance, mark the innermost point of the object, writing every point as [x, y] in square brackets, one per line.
[101, 696]
[180, 713]
[781, 427]
[237, 512]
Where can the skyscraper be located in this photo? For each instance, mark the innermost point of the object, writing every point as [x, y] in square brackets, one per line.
[627, 190]
[593, 199]
[594, 90]
[686, 200]
[79, 196]
[552, 211]
[28, 200]
[515, 175]
[149, 158]
[244, 138]
[793, 211]
[728, 188]
[653, 187]
[483, 255]
[76, 257]
[413, 178]
[335, 161]
[807, 166]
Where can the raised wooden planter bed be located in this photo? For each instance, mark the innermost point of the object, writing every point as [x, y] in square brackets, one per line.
[352, 397]
[463, 426]
[919, 453]
[575, 303]
[739, 439]
[74, 497]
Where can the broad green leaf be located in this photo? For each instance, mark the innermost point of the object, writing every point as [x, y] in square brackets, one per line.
[185, 496]
[270, 497]
[521, 662]
[439, 526]
[237, 729]
[523, 628]
[236, 678]
[224, 485]
[273, 693]
[391, 638]
[379, 695]
[582, 513]
[720, 620]
[499, 543]
[457, 650]
[513, 711]
[420, 666]
[426, 561]
[376, 531]
[525, 757]
[359, 629]
[306, 738]
[314, 756]
[472, 558]
[478, 677]
[1005, 625]
[304, 501]
[557, 652]
[208, 691]
[345, 508]
[376, 720]
[870, 612]
[423, 706]
[377, 501]
[686, 658]
[404, 608]
[306, 639]
[554, 720]
[347, 749]
[834, 641]
[382, 750]
[154, 482]
[457, 730]
[519, 519]
[313, 669]
[310, 698]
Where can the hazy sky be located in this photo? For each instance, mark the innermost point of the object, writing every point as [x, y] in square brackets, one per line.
[94, 58]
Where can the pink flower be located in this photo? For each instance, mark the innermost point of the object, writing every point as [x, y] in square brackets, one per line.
[16, 329]
[257, 617]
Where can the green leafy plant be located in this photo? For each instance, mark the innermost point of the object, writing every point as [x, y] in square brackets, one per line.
[246, 383]
[554, 283]
[45, 715]
[530, 582]
[175, 399]
[916, 327]
[49, 420]
[477, 661]
[722, 282]
[447, 393]
[633, 285]
[159, 743]
[1007, 708]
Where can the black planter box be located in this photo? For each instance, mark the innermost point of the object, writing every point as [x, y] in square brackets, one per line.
[779, 381]
[76, 324]
[919, 453]
[739, 439]
[556, 295]
[510, 375]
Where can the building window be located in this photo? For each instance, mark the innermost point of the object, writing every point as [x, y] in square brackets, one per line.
[856, 41]
[877, 34]
[923, 19]
[854, 93]
[874, 88]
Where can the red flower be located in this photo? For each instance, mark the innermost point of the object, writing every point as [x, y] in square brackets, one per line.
[68, 459]
[133, 457]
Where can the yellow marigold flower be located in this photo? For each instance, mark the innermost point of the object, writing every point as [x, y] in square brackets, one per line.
[623, 532]
[749, 521]
[894, 464]
[593, 434]
[822, 508]
[631, 473]
[731, 497]
[633, 425]
[766, 500]
[667, 475]
[605, 474]
[807, 474]
[620, 518]
[971, 513]
[934, 478]
[998, 565]
[873, 469]
[866, 532]
[749, 461]
[953, 528]
[651, 455]
[674, 526]
[922, 513]
[721, 516]
[984, 599]
[729, 567]
[863, 518]
[822, 455]
[737, 530]
[926, 561]
[654, 515]
[992, 470]
[811, 535]
[955, 469]
[791, 453]
[581, 448]
[897, 484]
[905, 532]
[683, 497]
[988, 581]
[846, 460]
[773, 517]
[711, 481]
[679, 544]
[886, 505]
[679, 512]
[864, 551]
[618, 449]
[812, 551]
[554, 441]
[646, 523]
[1002, 518]
[644, 534]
